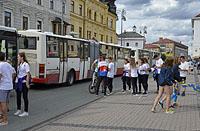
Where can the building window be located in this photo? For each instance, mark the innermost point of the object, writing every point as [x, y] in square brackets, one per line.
[111, 23]
[101, 19]
[136, 44]
[7, 19]
[80, 32]
[80, 10]
[72, 6]
[51, 4]
[107, 38]
[72, 28]
[25, 23]
[88, 34]
[127, 44]
[39, 2]
[54, 28]
[101, 37]
[95, 34]
[89, 14]
[39, 25]
[111, 40]
[95, 16]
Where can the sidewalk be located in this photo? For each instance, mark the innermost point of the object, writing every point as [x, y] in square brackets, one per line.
[128, 113]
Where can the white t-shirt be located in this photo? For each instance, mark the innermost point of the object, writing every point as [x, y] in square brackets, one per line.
[127, 69]
[22, 70]
[143, 69]
[184, 66]
[134, 72]
[111, 71]
[159, 62]
[6, 79]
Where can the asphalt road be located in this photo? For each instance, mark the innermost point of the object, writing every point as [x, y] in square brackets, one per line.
[51, 101]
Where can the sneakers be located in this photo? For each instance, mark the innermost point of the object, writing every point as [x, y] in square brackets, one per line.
[161, 104]
[17, 112]
[24, 114]
[3, 123]
[169, 111]
[183, 93]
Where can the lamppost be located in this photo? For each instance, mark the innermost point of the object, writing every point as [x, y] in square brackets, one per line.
[62, 12]
[123, 18]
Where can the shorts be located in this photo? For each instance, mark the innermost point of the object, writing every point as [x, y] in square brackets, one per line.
[4, 95]
[165, 84]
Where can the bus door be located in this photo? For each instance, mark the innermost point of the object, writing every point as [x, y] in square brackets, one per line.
[63, 61]
[8, 45]
[84, 60]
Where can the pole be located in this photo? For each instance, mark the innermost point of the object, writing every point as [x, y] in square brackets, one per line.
[63, 4]
[121, 30]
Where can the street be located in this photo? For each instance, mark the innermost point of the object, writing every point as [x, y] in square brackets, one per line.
[50, 105]
[51, 101]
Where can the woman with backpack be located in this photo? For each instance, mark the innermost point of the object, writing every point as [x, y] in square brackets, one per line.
[165, 81]
[22, 84]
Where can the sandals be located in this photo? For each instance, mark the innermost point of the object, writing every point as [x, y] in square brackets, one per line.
[153, 110]
[3, 123]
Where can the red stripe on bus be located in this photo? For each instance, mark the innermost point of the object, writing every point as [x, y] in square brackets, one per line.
[77, 73]
[52, 78]
[39, 80]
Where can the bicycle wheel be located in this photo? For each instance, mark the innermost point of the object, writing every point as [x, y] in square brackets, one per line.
[92, 88]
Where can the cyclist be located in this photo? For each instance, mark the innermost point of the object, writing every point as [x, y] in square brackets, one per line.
[95, 68]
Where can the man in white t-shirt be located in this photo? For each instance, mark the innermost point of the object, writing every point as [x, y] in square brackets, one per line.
[110, 74]
[159, 64]
[6, 85]
[184, 68]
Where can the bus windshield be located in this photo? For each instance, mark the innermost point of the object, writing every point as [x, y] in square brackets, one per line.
[27, 43]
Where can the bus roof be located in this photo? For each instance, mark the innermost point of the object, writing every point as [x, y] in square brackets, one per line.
[27, 32]
[8, 29]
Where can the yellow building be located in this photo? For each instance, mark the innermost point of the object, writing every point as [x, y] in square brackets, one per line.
[94, 19]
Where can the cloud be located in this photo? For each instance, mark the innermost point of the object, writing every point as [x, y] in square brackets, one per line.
[163, 18]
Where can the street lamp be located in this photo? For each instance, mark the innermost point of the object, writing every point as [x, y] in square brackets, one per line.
[123, 18]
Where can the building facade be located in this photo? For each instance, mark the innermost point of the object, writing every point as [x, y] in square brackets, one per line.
[131, 39]
[152, 47]
[196, 37]
[94, 19]
[171, 47]
[44, 15]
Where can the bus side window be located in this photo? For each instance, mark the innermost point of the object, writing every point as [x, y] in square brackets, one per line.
[132, 53]
[25, 43]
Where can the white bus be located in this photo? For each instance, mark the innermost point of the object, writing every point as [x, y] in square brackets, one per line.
[64, 59]
[144, 53]
[8, 43]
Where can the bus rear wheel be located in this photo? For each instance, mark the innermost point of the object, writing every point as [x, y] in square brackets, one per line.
[71, 78]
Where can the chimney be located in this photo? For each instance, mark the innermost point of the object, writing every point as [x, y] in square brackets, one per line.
[161, 38]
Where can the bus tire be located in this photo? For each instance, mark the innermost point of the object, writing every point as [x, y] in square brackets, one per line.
[71, 78]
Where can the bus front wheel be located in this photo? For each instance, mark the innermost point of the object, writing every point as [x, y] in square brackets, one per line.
[71, 78]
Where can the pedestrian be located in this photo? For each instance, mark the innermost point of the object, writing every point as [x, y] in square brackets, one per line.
[110, 75]
[140, 75]
[165, 81]
[14, 75]
[184, 68]
[6, 85]
[159, 63]
[146, 75]
[102, 74]
[126, 75]
[134, 75]
[22, 84]
[177, 79]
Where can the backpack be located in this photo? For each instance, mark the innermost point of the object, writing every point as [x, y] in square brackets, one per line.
[165, 77]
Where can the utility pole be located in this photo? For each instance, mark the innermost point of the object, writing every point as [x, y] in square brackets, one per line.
[63, 11]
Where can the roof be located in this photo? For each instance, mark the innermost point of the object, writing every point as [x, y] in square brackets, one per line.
[150, 46]
[130, 35]
[169, 41]
[198, 15]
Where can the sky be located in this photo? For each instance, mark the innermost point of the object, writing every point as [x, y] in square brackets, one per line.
[163, 18]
